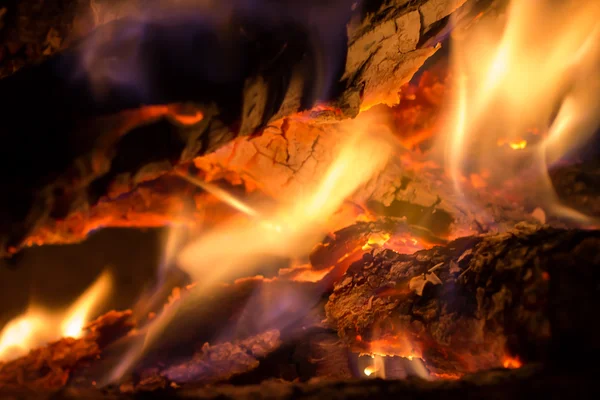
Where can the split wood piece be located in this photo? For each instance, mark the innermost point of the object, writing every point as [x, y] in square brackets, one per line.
[49, 368]
[68, 143]
[527, 293]
[525, 383]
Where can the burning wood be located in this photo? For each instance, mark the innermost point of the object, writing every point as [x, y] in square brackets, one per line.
[274, 114]
[49, 368]
[68, 175]
[493, 297]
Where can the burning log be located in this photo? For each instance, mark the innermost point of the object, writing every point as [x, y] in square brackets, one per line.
[473, 303]
[86, 142]
[256, 316]
[49, 368]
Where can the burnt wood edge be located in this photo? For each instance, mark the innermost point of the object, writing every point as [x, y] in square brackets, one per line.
[531, 381]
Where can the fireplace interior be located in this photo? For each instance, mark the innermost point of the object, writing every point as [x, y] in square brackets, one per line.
[266, 199]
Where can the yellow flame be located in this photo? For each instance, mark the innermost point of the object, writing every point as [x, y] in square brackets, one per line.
[79, 313]
[370, 370]
[537, 67]
[377, 239]
[37, 326]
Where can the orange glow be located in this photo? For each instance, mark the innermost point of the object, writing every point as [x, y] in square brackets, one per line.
[511, 363]
[146, 114]
[545, 276]
[452, 377]
[191, 119]
[370, 370]
[37, 326]
[305, 273]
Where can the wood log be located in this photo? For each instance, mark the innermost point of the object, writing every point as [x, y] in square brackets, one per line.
[476, 302]
[525, 383]
[73, 138]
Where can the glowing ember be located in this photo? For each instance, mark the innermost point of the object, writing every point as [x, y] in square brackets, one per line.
[37, 327]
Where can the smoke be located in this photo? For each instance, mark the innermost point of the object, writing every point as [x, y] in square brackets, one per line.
[205, 50]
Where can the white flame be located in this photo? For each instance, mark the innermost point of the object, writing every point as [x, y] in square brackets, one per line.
[540, 68]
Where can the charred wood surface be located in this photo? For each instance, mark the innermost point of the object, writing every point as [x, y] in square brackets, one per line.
[526, 294]
[69, 137]
[526, 383]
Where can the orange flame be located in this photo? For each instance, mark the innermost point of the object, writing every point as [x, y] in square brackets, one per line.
[37, 326]
[511, 362]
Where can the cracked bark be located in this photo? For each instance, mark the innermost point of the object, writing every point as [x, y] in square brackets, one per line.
[78, 146]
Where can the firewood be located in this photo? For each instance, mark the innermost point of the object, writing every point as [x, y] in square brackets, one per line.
[525, 294]
[70, 145]
[49, 368]
[525, 383]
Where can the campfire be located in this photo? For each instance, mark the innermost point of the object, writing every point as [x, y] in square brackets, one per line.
[282, 199]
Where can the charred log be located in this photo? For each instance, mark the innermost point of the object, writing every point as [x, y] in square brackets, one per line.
[468, 305]
[525, 383]
[66, 141]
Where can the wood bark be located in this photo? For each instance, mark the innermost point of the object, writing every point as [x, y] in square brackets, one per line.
[468, 305]
[72, 139]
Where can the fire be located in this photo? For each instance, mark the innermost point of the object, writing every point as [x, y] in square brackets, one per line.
[37, 326]
[370, 370]
[376, 240]
[533, 71]
[291, 229]
[518, 144]
[512, 363]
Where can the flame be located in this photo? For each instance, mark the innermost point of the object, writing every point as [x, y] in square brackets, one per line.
[511, 363]
[294, 228]
[518, 144]
[370, 370]
[37, 326]
[376, 240]
[535, 68]
[291, 229]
